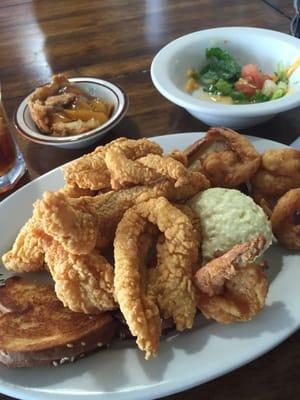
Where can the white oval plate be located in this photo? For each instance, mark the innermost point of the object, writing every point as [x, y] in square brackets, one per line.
[185, 360]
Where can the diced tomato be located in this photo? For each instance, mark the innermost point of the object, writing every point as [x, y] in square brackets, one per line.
[245, 87]
[249, 70]
[253, 75]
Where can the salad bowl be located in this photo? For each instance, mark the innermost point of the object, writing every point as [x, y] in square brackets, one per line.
[261, 47]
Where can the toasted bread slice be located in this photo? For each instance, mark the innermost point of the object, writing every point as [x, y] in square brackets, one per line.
[37, 329]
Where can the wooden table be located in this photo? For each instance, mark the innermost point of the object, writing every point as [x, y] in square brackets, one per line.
[116, 40]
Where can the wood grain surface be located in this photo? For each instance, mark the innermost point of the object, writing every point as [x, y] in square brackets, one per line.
[285, 7]
[117, 40]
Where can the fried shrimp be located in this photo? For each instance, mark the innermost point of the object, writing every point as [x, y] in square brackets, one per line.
[84, 283]
[279, 172]
[210, 278]
[231, 287]
[284, 221]
[265, 202]
[90, 171]
[243, 296]
[227, 158]
[170, 286]
[27, 253]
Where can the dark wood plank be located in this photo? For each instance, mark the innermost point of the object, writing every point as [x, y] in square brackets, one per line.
[283, 6]
[81, 43]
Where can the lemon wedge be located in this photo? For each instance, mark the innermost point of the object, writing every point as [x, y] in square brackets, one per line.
[292, 67]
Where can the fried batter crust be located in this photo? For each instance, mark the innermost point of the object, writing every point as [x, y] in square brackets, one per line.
[242, 298]
[90, 171]
[170, 285]
[72, 222]
[283, 220]
[139, 309]
[27, 254]
[230, 287]
[75, 191]
[279, 172]
[84, 283]
[227, 158]
[168, 167]
[211, 277]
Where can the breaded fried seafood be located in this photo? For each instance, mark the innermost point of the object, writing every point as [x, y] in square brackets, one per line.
[242, 299]
[230, 287]
[285, 220]
[124, 163]
[81, 224]
[91, 172]
[148, 170]
[155, 238]
[27, 253]
[83, 283]
[169, 290]
[225, 157]
[72, 222]
[125, 172]
[75, 191]
[279, 172]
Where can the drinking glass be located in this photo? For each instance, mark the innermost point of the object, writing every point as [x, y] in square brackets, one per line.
[12, 165]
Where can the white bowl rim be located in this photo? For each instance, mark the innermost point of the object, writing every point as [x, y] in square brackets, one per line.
[168, 89]
[123, 104]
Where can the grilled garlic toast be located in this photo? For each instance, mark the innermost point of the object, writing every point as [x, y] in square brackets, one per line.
[37, 329]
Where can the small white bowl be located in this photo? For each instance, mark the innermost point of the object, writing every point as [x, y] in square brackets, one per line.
[107, 91]
[247, 45]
